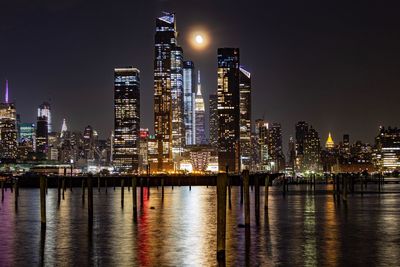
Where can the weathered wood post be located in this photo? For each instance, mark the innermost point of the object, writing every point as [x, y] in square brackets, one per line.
[266, 192]
[241, 189]
[98, 183]
[83, 190]
[90, 201]
[284, 186]
[47, 187]
[246, 198]
[229, 192]
[134, 197]
[221, 214]
[16, 193]
[345, 185]
[257, 198]
[2, 191]
[141, 191]
[106, 184]
[162, 188]
[43, 201]
[148, 188]
[58, 190]
[122, 191]
[63, 186]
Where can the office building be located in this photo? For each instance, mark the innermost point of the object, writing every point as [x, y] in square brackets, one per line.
[245, 118]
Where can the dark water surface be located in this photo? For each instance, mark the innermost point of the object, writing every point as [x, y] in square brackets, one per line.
[300, 229]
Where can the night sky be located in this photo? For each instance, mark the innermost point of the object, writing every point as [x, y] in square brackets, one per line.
[335, 65]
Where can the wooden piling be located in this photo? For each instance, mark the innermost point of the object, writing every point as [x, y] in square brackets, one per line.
[90, 201]
[105, 184]
[148, 188]
[122, 191]
[246, 198]
[98, 184]
[257, 198]
[221, 214]
[241, 190]
[63, 186]
[47, 187]
[141, 191]
[134, 197]
[43, 201]
[58, 191]
[229, 193]
[83, 190]
[162, 189]
[345, 185]
[16, 193]
[2, 191]
[266, 191]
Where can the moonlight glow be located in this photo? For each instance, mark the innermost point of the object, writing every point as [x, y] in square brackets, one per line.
[199, 39]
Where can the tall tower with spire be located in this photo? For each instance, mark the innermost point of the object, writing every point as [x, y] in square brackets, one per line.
[329, 142]
[8, 129]
[199, 115]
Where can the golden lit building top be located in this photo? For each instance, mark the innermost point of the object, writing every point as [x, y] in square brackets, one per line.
[329, 142]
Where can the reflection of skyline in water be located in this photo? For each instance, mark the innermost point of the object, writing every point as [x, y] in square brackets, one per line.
[298, 229]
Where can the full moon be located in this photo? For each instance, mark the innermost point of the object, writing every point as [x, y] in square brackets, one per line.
[199, 39]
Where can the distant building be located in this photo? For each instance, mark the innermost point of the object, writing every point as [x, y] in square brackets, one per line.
[143, 150]
[261, 131]
[199, 115]
[44, 110]
[245, 118]
[312, 151]
[8, 130]
[213, 120]
[276, 157]
[126, 119]
[329, 144]
[27, 140]
[228, 109]
[387, 149]
[188, 102]
[41, 136]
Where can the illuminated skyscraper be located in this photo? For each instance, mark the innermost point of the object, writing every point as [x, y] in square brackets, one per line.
[329, 142]
[178, 125]
[245, 118]
[166, 57]
[26, 139]
[45, 111]
[262, 138]
[228, 109]
[42, 138]
[276, 157]
[126, 119]
[213, 120]
[301, 132]
[188, 101]
[200, 115]
[8, 129]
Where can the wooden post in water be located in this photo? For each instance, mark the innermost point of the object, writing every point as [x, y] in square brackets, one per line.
[241, 190]
[345, 185]
[58, 191]
[141, 191]
[257, 198]
[47, 187]
[246, 198]
[134, 198]
[162, 188]
[16, 192]
[90, 201]
[43, 201]
[105, 184]
[83, 190]
[2, 191]
[266, 191]
[148, 187]
[122, 191]
[221, 214]
[229, 192]
[63, 186]
[98, 183]
[284, 186]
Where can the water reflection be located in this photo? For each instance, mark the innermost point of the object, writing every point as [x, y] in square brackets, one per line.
[298, 229]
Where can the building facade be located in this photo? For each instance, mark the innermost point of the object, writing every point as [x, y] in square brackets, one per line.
[126, 119]
[228, 109]
[245, 118]
[200, 123]
[188, 101]
[213, 119]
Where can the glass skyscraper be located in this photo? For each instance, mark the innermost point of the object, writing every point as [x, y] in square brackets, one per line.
[245, 118]
[126, 119]
[228, 109]
[167, 58]
[188, 101]
[8, 129]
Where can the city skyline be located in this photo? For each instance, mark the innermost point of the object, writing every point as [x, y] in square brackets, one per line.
[356, 90]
